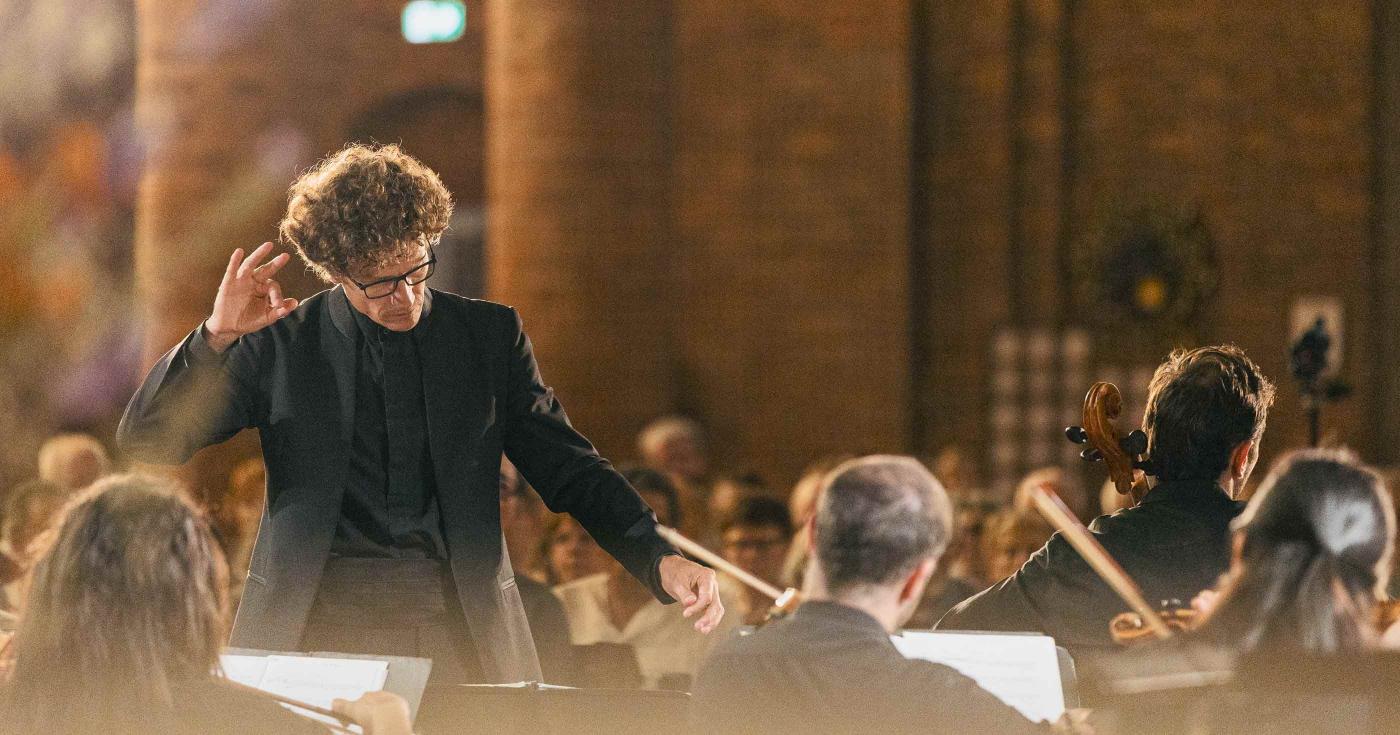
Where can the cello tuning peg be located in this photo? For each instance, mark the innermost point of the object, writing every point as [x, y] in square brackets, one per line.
[1076, 434]
[1134, 443]
[1091, 455]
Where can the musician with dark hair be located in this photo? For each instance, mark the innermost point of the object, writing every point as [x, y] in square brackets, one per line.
[881, 524]
[1205, 417]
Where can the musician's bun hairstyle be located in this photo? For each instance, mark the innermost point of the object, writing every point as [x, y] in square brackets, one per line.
[1201, 404]
[877, 518]
[1314, 553]
[128, 601]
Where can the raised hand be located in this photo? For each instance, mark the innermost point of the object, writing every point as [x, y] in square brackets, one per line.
[249, 297]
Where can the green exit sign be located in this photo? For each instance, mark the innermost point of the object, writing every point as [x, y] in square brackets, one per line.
[433, 21]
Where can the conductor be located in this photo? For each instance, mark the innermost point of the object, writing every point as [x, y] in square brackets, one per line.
[383, 407]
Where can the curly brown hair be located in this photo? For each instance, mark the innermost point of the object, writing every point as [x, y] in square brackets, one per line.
[363, 208]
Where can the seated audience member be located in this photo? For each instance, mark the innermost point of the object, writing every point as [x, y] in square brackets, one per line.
[1009, 537]
[1311, 559]
[676, 447]
[984, 544]
[958, 473]
[1206, 410]
[725, 496]
[123, 622]
[614, 607]
[963, 558]
[520, 521]
[31, 510]
[802, 503]
[73, 461]
[755, 538]
[1070, 490]
[569, 553]
[880, 526]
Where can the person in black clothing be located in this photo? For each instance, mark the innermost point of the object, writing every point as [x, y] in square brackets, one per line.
[123, 623]
[383, 408]
[1206, 411]
[880, 526]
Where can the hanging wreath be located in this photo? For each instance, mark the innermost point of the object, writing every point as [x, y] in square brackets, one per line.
[1151, 264]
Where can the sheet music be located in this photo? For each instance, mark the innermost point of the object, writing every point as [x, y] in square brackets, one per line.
[1021, 670]
[247, 670]
[311, 680]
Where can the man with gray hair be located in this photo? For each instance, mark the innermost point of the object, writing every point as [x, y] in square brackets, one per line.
[881, 524]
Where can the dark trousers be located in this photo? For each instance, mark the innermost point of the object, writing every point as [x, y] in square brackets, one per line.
[393, 607]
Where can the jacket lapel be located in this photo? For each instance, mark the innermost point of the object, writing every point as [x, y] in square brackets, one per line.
[338, 345]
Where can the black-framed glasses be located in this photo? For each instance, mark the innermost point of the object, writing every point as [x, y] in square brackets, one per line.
[385, 286]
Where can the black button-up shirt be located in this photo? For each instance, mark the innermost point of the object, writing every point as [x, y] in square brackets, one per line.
[390, 507]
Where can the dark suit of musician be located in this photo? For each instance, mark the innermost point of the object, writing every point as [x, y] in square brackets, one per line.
[1206, 412]
[295, 382]
[1174, 544]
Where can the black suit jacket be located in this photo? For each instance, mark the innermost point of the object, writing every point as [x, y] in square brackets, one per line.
[295, 380]
[1174, 544]
[832, 669]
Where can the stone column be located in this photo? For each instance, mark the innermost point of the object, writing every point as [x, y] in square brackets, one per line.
[201, 107]
[577, 232]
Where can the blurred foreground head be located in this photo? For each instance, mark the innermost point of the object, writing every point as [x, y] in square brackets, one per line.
[128, 601]
[73, 461]
[1312, 554]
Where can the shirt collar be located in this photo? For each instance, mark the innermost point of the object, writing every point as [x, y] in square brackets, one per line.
[830, 612]
[1186, 491]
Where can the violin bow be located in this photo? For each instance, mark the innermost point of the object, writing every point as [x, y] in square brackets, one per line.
[1058, 514]
[782, 599]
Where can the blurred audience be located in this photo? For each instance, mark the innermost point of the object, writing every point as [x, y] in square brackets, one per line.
[613, 607]
[963, 559]
[958, 472]
[676, 446]
[1062, 483]
[802, 503]
[755, 538]
[522, 526]
[123, 623]
[30, 511]
[73, 461]
[1009, 537]
[725, 495]
[522, 522]
[235, 517]
[568, 552]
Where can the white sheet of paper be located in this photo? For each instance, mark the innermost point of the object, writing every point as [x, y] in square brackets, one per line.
[1021, 670]
[307, 679]
[246, 670]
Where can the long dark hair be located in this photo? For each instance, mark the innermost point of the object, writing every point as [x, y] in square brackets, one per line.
[130, 600]
[1314, 554]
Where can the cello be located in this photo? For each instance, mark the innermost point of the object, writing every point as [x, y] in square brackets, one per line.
[1128, 467]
